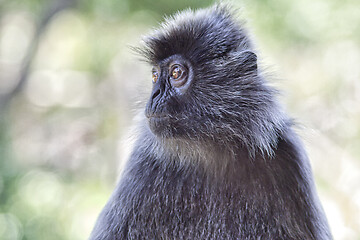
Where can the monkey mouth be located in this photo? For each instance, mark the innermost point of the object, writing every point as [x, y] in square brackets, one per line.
[158, 118]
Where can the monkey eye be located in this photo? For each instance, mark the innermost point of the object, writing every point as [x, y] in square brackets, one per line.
[155, 76]
[178, 75]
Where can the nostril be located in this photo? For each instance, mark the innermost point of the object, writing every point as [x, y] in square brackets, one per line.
[156, 93]
[154, 101]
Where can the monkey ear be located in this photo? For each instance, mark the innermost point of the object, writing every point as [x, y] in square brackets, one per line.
[248, 60]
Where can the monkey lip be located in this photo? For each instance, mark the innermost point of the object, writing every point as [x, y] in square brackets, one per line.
[158, 117]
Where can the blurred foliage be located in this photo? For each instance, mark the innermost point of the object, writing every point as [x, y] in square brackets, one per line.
[60, 131]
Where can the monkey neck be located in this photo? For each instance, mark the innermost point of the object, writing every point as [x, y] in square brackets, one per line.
[226, 161]
[229, 161]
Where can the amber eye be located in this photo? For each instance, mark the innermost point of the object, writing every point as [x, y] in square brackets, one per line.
[155, 76]
[178, 75]
[176, 72]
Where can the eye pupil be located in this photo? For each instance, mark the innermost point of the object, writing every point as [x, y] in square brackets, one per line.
[176, 73]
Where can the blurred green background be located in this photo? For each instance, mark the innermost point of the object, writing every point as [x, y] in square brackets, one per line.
[70, 87]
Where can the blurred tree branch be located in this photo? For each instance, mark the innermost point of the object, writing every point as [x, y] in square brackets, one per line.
[53, 7]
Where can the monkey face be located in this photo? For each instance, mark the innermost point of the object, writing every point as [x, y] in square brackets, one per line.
[172, 78]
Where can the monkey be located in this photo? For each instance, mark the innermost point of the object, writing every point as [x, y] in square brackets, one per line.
[215, 155]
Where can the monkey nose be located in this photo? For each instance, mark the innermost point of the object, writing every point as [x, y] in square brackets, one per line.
[154, 100]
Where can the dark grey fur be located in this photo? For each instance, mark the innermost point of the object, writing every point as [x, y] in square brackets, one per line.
[223, 162]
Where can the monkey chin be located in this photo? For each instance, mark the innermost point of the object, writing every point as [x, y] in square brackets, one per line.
[165, 127]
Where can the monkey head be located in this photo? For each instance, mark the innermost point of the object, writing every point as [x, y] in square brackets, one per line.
[206, 83]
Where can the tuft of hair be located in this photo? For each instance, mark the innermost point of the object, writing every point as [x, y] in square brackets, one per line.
[198, 35]
[229, 90]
